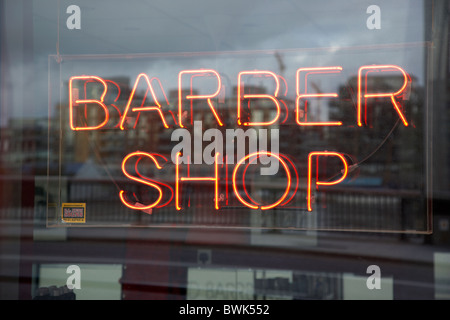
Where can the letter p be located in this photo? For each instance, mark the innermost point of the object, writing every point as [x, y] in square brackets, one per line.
[344, 172]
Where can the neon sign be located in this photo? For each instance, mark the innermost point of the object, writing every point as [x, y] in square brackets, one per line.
[306, 95]
[171, 193]
[302, 94]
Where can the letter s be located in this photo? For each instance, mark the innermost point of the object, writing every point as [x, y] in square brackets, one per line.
[157, 185]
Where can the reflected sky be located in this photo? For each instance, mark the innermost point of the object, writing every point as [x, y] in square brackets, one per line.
[161, 26]
[140, 26]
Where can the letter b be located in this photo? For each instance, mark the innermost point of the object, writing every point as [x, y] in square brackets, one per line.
[226, 309]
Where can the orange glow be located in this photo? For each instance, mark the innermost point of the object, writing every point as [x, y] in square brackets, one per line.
[324, 183]
[165, 96]
[256, 206]
[215, 178]
[118, 89]
[152, 180]
[391, 95]
[140, 179]
[208, 97]
[156, 108]
[306, 95]
[296, 180]
[115, 99]
[243, 179]
[285, 84]
[87, 101]
[241, 96]
[286, 111]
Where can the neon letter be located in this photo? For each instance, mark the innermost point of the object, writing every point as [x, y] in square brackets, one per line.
[74, 101]
[241, 95]
[306, 95]
[148, 182]
[156, 108]
[323, 183]
[391, 95]
[256, 206]
[191, 96]
[215, 178]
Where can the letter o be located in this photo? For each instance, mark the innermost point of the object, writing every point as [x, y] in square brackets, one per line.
[257, 154]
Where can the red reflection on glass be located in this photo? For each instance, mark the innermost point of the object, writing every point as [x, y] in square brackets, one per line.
[115, 99]
[154, 181]
[241, 96]
[140, 179]
[165, 96]
[156, 108]
[305, 95]
[191, 96]
[323, 183]
[215, 178]
[391, 95]
[74, 101]
[296, 179]
[256, 205]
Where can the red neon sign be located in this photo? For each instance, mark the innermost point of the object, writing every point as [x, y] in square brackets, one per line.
[191, 96]
[74, 101]
[363, 96]
[158, 185]
[179, 179]
[302, 94]
[156, 108]
[166, 193]
[241, 96]
[256, 206]
[323, 183]
[140, 179]
[305, 95]
[288, 166]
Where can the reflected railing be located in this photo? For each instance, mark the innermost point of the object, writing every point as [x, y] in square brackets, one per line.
[337, 208]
